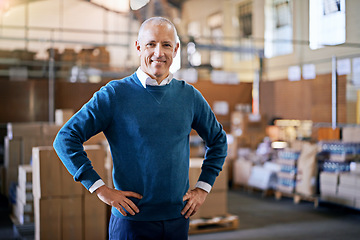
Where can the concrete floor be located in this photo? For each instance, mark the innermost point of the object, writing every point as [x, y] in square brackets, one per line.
[265, 218]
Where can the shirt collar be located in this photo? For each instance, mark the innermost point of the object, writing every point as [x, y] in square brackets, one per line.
[147, 80]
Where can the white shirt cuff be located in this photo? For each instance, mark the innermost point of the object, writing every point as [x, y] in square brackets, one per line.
[204, 186]
[96, 185]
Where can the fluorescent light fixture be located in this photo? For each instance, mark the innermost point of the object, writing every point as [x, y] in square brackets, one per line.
[279, 145]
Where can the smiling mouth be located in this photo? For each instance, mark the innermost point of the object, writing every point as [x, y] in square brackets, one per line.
[157, 61]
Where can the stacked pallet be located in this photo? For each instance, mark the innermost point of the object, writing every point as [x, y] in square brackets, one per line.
[63, 208]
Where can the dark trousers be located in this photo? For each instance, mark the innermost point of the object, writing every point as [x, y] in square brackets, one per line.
[174, 229]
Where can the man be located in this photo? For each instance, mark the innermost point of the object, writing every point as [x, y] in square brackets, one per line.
[147, 118]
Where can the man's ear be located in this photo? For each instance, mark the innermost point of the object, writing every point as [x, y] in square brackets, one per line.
[138, 47]
[176, 49]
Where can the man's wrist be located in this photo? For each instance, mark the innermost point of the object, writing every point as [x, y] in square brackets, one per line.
[204, 186]
[99, 183]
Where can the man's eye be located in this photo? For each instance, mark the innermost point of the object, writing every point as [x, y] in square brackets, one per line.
[150, 44]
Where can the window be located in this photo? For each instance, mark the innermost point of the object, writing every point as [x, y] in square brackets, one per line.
[327, 23]
[245, 19]
[215, 23]
[245, 31]
[278, 28]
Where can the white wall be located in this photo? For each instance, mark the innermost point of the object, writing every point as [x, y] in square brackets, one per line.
[276, 68]
[73, 14]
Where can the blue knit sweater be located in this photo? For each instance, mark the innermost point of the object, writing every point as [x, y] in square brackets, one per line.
[148, 133]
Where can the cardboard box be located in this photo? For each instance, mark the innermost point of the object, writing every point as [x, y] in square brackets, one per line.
[94, 218]
[329, 178]
[242, 171]
[232, 147]
[31, 130]
[71, 218]
[62, 116]
[325, 133]
[97, 156]
[98, 139]
[215, 205]
[27, 144]
[351, 134]
[49, 132]
[46, 173]
[108, 168]
[221, 182]
[328, 189]
[47, 218]
[69, 188]
[351, 179]
[346, 191]
[262, 178]
[50, 177]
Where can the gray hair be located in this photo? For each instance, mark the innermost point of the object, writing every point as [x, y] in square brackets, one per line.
[157, 21]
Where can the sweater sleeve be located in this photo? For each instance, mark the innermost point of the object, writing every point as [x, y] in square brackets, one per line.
[211, 131]
[91, 119]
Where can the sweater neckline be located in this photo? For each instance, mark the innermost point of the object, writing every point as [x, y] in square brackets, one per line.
[158, 92]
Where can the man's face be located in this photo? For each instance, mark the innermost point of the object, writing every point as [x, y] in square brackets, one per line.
[156, 48]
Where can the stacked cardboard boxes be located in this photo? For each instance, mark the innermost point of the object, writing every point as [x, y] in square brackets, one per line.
[248, 129]
[63, 208]
[242, 171]
[22, 137]
[62, 116]
[215, 204]
[68, 59]
[24, 208]
[329, 186]
[287, 159]
[342, 188]
[349, 189]
[18, 144]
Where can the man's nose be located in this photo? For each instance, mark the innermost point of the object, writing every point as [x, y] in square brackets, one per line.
[158, 50]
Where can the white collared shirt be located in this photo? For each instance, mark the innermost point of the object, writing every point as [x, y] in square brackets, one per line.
[147, 80]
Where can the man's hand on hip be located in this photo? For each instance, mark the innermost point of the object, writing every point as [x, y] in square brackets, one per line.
[195, 198]
[118, 199]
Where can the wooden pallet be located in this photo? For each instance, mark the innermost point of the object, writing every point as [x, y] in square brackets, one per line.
[298, 197]
[216, 224]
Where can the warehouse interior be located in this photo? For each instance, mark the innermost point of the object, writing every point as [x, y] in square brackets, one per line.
[281, 76]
